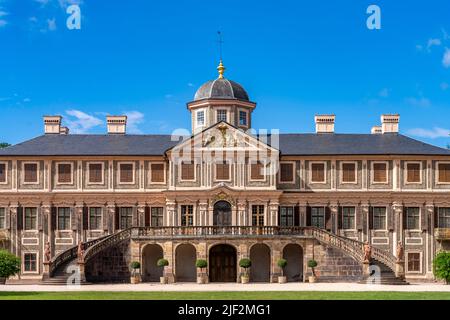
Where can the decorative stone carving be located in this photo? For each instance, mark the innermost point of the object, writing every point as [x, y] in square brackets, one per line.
[80, 251]
[367, 252]
[400, 252]
[47, 252]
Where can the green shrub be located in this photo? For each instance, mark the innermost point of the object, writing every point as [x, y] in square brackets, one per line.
[9, 264]
[200, 263]
[245, 263]
[282, 263]
[441, 266]
[162, 263]
[135, 265]
[312, 264]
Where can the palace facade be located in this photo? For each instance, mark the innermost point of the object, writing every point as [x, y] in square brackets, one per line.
[224, 193]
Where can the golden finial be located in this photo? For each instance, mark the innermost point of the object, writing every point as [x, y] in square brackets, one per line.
[221, 69]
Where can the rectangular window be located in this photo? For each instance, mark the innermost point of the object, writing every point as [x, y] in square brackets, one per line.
[413, 173]
[242, 118]
[348, 172]
[2, 218]
[412, 218]
[63, 218]
[222, 171]
[444, 172]
[287, 216]
[30, 219]
[317, 172]
[257, 171]
[95, 218]
[318, 217]
[30, 172]
[187, 215]
[257, 215]
[221, 115]
[96, 173]
[379, 218]
[443, 218]
[379, 172]
[126, 217]
[348, 218]
[286, 172]
[200, 118]
[2, 172]
[30, 262]
[414, 261]
[126, 172]
[64, 173]
[157, 172]
[157, 216]
[187, 171]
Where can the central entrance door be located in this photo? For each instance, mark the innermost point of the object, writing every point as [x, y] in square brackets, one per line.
[222, 213]
[222, 263]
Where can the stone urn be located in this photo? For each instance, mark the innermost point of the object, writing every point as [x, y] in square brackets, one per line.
[282, 279]
[245, 279]
[312, 279]
[163, 280]
[135, 279]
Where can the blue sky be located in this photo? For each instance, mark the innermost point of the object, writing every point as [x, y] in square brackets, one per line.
[295, 58]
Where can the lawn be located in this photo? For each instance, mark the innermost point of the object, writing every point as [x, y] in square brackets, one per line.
[252, 295]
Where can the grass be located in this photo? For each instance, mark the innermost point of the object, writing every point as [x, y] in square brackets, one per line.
[252, 295]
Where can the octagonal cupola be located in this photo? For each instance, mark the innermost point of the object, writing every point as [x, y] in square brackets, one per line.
[220, 100]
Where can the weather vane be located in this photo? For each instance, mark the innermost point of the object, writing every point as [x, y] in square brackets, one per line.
[220, 41]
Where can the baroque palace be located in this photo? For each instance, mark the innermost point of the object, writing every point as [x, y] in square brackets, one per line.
[99, 202]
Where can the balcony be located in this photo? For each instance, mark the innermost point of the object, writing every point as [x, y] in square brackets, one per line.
[442, 234]
[219, 232]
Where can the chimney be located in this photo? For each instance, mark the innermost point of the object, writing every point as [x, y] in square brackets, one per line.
[325, 123]
[52, 124]
[389, 123]
[116, 124]
[64, 130]
[376, 130]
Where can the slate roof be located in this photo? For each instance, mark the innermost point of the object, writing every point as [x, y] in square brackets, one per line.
[289, 144]
[221, 89]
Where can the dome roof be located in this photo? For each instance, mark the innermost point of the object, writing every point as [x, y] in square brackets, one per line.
[221, 88]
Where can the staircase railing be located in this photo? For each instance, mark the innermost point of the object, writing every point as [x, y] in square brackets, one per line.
[106, 242]
[69, 254]
[352, 247]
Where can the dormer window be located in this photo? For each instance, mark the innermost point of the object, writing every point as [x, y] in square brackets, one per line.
[200, 118]
[221, 115]
[242, 118]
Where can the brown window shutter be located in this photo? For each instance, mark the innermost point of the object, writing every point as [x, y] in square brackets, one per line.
[379, 172]
[370, 218]
[30, 172]
[20, 218]
[348, 172]
[436, 217]
[405, 223]
[328, 221]
[53, 218]
[296, 216]
[117, 219]
[157, 170]
[187, 171]
[444, 172]
[257, 171]
[147, 217]
[340, 218]
[308, 216]
[86, 217]
[287, 172]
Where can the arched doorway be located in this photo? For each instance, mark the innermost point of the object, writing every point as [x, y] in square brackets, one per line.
[222, 213]
[222, 263]
[185, 269]
[293, 253]
[150, 255]
[260, 257]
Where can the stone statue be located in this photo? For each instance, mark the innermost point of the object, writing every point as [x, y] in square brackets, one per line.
[47, 252]
[367, 252]
[80, 251]
[400, 251]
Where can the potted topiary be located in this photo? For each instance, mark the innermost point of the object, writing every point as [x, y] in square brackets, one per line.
[9, 265]
[441, 266]
[282, 263]
[245, 263]
[135, 276]
[201, 264]
[163, 263]
[312, 264]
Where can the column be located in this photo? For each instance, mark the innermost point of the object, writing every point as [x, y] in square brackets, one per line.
[273, 213]
[203, 212]
[364, 216]
[14, 231]
[302, 211]
[334, 209]
[397, 211]
[78, 219]
[141, 214]
[171, 213]
[110, 213]
[241, 206]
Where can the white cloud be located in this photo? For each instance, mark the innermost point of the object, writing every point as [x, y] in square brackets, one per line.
[42, 2]
[27, 100]
[446, 58]
[51, 24]
[134, 118]
[444, 86]
[418, 102]
[66, 3]
[432, 134]
[433, 42]
[419, 47]
[384, 93]
[80, 122]
[190, 84]
[445, 35]
[168, 96]
[3, 21]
